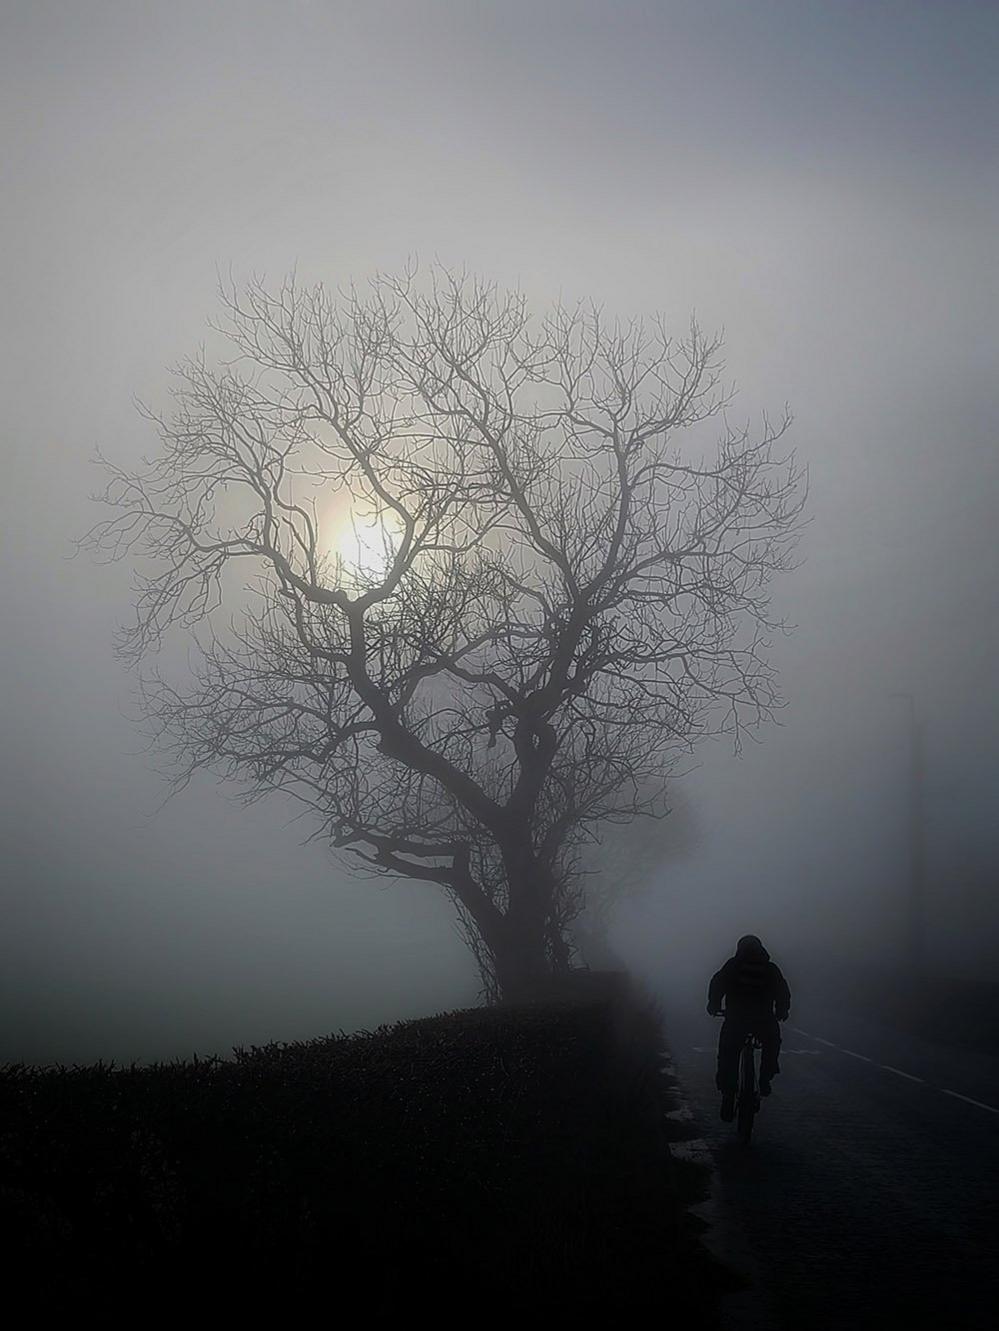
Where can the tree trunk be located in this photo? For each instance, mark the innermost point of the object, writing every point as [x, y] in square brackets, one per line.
[518, 956]
[523, 972]
[521, 960]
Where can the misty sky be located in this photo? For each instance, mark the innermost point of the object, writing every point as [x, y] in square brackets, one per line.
[818, 178]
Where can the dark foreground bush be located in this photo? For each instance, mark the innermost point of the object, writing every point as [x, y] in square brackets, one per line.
[483, 1162]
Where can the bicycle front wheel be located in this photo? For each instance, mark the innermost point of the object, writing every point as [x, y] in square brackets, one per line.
[747, 1095]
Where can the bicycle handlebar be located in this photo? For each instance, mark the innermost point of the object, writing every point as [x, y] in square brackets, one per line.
[723, 1012]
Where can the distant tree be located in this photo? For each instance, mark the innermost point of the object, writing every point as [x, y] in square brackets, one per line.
[494, 593]
[624, 860]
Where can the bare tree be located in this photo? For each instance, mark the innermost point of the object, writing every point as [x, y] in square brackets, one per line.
[542, 597]
[627, 859]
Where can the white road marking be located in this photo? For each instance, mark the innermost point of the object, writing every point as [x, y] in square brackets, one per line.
[968, 1100]
[863, 1057]
[886, 1067]
[899, 1073]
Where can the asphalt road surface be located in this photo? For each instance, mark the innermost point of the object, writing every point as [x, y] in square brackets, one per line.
[870, 1194]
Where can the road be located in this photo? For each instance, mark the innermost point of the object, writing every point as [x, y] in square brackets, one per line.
[870, 1195]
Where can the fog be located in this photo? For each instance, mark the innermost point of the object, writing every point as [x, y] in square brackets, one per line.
[818, 178]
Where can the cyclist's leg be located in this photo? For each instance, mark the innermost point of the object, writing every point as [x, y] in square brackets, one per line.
[730, 1040]
[769, 1034]
[729, 1046]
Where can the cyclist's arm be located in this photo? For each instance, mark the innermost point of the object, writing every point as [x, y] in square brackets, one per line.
[716, 991]
[782, 996]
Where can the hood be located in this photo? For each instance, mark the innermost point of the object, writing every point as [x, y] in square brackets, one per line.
[749, 948]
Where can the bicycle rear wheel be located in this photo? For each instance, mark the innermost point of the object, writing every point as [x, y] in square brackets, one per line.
[747, 1095]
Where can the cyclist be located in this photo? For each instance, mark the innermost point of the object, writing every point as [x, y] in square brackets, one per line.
[756, 997]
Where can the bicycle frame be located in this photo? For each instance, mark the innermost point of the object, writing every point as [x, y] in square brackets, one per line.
[747, 1100]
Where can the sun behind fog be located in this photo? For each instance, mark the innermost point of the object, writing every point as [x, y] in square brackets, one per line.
[365, 542]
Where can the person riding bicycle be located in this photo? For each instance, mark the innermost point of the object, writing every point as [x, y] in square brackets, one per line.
[756, 997]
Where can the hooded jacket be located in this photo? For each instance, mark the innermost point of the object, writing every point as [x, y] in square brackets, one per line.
[750, 984]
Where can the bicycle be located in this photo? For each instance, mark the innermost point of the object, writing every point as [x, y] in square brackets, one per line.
[747, 1098]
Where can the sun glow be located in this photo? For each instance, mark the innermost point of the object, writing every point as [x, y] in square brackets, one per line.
[364, 542]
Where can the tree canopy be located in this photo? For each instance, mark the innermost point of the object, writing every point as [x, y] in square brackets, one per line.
[494, 579]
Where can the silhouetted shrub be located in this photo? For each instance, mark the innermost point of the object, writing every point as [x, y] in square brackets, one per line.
[509, 1154]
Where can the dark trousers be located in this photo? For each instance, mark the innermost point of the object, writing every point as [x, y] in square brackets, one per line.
[731, 1039]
